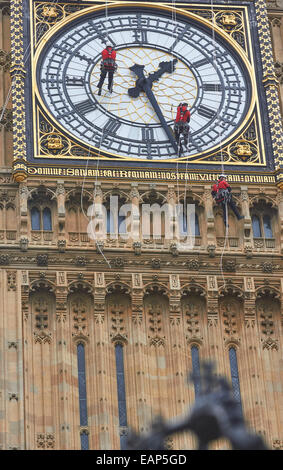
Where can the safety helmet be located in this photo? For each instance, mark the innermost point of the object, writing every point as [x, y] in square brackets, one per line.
[221, 177]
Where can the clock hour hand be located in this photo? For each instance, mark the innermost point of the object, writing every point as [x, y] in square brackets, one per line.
[164, 67]
[144, 84]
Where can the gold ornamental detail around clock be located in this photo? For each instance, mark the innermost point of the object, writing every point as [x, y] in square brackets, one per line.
[49, 14]
[231, 21]
[96, 123]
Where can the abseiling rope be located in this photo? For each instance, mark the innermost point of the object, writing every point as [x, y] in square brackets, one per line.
[99, 152]
[221, 153]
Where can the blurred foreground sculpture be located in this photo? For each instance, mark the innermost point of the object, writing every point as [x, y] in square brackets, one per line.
[214, 415]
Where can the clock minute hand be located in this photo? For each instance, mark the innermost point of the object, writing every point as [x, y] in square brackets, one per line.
[145, 84]
[164, 67]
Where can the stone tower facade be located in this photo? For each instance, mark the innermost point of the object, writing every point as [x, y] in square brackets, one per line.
[99, 338]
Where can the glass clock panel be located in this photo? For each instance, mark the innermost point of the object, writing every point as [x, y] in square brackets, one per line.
[207, 75]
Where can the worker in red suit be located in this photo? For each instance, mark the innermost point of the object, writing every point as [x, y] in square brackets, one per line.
[181, 126]
[221, 192]
[108, 66]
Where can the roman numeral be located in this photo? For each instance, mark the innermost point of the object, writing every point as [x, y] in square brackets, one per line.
[212, 87]
[148, 139]
[74, 81]
[200, 63]
[206, 112]
[85, 107]
[111, 127]
[140, 36]
[147, 134]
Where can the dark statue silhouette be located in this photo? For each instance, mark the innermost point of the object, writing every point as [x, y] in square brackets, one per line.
[214, 415]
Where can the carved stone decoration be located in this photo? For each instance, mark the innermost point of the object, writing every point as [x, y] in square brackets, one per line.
[99, 280]
[24, 278]
[24, 243]
[45, 441]
[279, 71]
[212, 283]
[118, 332]
[229, 265]
[265, 310]
[41, 333]
[61, 278]
[211, 250]
[7, 119]
[79, 317]
[5, 60]
[277, 444]
[173, 249]
[193, 264]
[191, 312]
[12, 280]
[137, 248]
[267, 267]
[155, 325]
[61, 246]
[249, 284]
[229, 319]
[42, 260]
[4, 259]
[13, 396]
[80, 261]
[174, 281]
[118, 262]
[155, 263]
[137, 281]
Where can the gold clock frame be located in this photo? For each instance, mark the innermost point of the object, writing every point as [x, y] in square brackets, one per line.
[213, 159]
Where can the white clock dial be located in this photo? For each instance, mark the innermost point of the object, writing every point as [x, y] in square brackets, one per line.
[208, 76]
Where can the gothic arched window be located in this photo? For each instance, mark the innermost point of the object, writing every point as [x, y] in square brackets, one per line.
[41, 219]
[122, 408]
[194, 224]
[82, 394]
[256, 226]
[46, 219]
[267, 228]
[235, 376]
[264, 223]
[196, 369]
[35, 218]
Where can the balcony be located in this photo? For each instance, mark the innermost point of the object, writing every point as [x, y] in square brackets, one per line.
[8, 236]
[44, 237]
[231, 242]
[265, 243]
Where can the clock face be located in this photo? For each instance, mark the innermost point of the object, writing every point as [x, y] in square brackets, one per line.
[209, 76]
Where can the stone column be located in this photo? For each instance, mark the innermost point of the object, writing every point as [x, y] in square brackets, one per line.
[252, 387]
[173, 228]
[101, 435]
[141, 416]
[177, 359]
[60, 192]
[135, 216]
[280, 217]
[23, 225]
[247, 221]
[63, 363]
[210, 228]
[11, 391]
